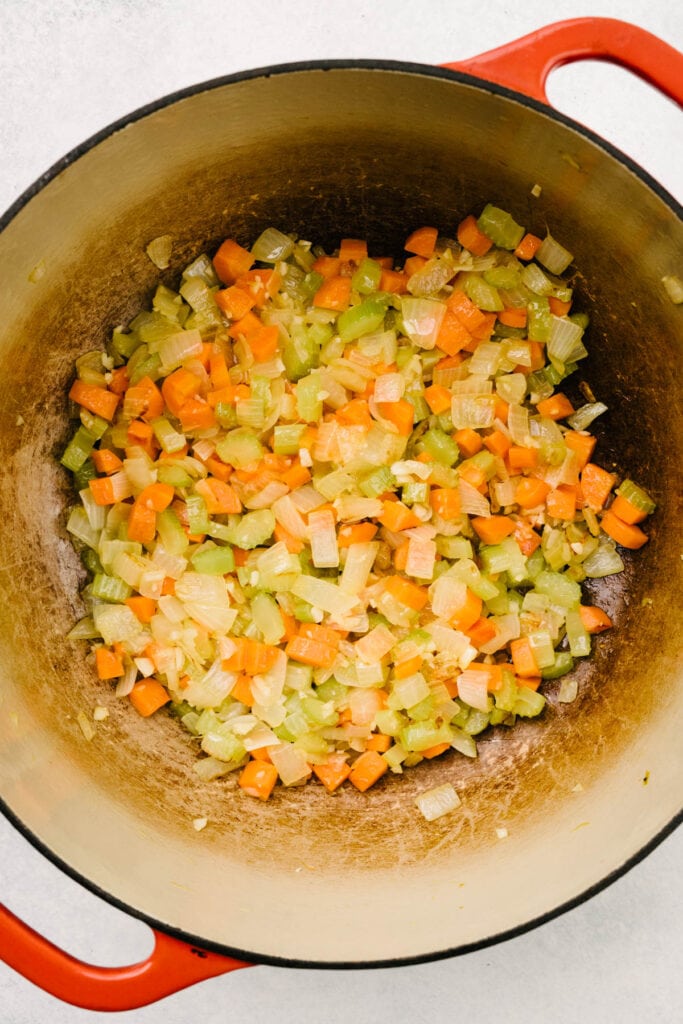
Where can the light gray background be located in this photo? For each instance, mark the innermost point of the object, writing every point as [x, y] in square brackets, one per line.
[67, 69]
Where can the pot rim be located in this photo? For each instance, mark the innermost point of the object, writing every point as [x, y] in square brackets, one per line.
[270, 70]
[417, 69]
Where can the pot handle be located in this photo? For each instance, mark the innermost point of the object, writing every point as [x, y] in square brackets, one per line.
[525, 63]
[172, 965]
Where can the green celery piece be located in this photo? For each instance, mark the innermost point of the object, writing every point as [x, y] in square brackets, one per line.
[415, 493]
[539, 318]
[226, 414]
[171, 534]
[240, 447]
[302, 610]
[637, 496]
[377, 482]
[301, 354]
[124, 344]
[418, 736]
[213, 560]
[564, 662]
[84, 473]
[476, 722]
[367, 277]
[95, 425]
[91, 561]
[197, 514]
[331, 689]
[440, 446]
[505, 277]
[482, 294]
[364, 318]
[318, 713]
[529, 703]
[310, 284]
[287, 438]
[500, 227]
[252, 529]
[416, 399]
[506, 697]
[175, 475]
[309, 404]
[110, 588]
[558, 588]
[78, 450]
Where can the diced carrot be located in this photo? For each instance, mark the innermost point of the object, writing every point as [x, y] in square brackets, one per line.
[401, 414]
[445, 502]
[311, 652]
[406, 593]
[242, 691]
[143, 400]
[235, 302]
[264, 342]
[596, 484]
[627, 511]
[626, 534]
[469, 611]
[328, 266]
[157, 496]
[527, 538]
[119, 380]
[102, 490]
[594, 619]
[422, 241]
[147, 696]
[258, 778]
[557, 407]
[220, 498]
[520, 457]
[196, 414]
[218, 469]
[406, 668]
[481, 632]
[528, 247]
[246, 325]
[108, 663]
[95, 399]
[322, 634]
[106, 461]
[498, 443]
[178, 387]
[474, 475]
[293, 544]
[334, 293]
[582, 444]
[413, 264]
[218, 371]
[261, 754]
[514, 316]
[453, 335]
[143, 608]
[561, 503]
[523, 657]
[558, 307]
[394, 281]
[367, 769]
[483, 332]
[401, 556]
[355, 533]
[465, 310]
[492, 673]
[296, 476]
[530, 682]
[438, 398]
[355, 412]
[436, 750]
[396, 517]
[531, 492]
[471, 238]
[261, 284]
[168, 587]
[353, 250]
[142, 523]
[379, 741]
[333, 773]
[231, 261]
[492, 529]
[468, 441]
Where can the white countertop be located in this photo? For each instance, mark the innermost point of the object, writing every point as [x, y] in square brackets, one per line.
[67, 70]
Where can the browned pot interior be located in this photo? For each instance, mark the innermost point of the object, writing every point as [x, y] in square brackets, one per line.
[341, 151]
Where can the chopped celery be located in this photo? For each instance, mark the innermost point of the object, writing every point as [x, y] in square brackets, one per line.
[209, 558]
[500, 227]
[367, 276]
[361, 319]
[440, 446]
[240, 447]
[252, 529]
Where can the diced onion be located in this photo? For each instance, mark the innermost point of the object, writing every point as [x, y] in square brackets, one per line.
[434, 803]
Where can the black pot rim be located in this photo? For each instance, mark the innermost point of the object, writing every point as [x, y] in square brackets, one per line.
[423, 70]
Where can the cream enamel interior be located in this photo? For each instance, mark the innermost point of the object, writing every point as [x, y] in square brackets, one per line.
[353, 878]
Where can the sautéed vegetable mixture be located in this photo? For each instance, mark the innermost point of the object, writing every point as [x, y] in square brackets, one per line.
[335, 512]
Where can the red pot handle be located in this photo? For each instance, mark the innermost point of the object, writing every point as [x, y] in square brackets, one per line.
[172, 965]
[525, 63]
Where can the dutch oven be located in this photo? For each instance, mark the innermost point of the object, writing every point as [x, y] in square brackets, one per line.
[332, 149]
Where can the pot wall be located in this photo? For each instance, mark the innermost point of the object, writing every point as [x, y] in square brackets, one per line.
[374, 153]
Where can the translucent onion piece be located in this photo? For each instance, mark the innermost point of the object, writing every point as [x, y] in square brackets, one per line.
[553, 256]
[434, 803]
